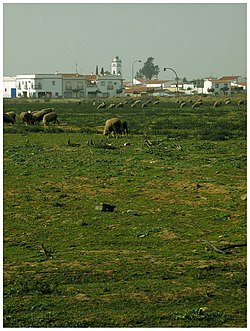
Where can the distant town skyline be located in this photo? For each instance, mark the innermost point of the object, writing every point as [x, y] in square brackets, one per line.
[196, 39]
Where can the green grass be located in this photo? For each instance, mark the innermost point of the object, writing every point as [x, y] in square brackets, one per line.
[145, 264]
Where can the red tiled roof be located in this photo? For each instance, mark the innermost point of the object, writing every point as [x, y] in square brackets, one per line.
[90, 77]
[153, 81]
[136, 88]
[228, 77]
[72, 75]
[219, 80]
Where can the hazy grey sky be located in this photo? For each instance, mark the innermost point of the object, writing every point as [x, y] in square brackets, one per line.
[196, 39]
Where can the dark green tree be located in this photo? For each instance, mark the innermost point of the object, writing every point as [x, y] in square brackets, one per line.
[148, 70]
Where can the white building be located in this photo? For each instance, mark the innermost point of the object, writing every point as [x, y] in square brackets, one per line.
[73, 86]
[66, 85]
[9, 87]
[217, 87]
[39, 85]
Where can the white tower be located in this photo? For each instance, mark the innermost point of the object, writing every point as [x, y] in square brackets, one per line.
[116, 66]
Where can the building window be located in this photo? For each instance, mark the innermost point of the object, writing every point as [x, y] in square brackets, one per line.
[103, 83]
[110, 85]
[217, 85]
[79, 86]
[225, 85]
[68, 86]
[5, 90]
[53, 82]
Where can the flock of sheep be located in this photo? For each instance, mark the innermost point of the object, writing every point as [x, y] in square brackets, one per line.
[45, 116]
[138, 102]
[112, 126]
[199, 102]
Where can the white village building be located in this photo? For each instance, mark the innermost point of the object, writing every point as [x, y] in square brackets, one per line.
[39, 85]
[66, 85]
[9, 87]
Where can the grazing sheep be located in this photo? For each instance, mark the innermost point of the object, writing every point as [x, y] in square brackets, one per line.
[119, 105]
[183, 104]
[112, 105]
[144, 105]
[124, 128]
[241, 102]
[50, 117]
[228, 102]
[101, 106]
[156, 102]
[7, 119]
[135, 103]
[196, 104]
[37, 116]
[113, 125]
[12, 114]
[217, 104]
[26, 117]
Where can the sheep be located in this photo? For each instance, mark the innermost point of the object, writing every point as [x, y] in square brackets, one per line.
[12, 114]
[241, 102]
[227, 102]
[26, 117]
[124, 128]
[183, 104]
[144, 105]
[102, 105]
[135, 103]
[8, 119]
[50, 117]
[196, 104]
[112, 105]
[112, 125]
[217, 104]
[119, 105]
[37, 116]
[156, 102]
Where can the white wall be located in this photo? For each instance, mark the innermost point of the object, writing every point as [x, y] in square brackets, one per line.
[8, 84]
[37, 85]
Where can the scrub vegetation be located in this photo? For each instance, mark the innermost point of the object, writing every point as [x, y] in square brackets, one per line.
[178, 184]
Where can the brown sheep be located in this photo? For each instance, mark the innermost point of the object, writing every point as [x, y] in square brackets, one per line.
[37, 116]
[124, 128]
[217, 104]
[102, 105]
[26, 117]
[50, 117]
[113, 125]
[196, 104]
[119, 105]
[7, 119]
[12, 114]
[112, 105]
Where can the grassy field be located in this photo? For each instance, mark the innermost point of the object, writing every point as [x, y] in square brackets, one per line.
[178, 179]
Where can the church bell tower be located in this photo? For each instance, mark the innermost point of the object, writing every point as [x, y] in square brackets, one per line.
[116, 66]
